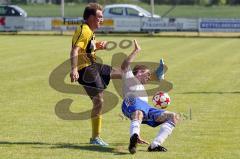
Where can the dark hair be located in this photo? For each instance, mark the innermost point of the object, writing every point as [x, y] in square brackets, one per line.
[139, 67]
[91, 9]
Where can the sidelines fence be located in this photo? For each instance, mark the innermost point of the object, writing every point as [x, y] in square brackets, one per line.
[121, 24]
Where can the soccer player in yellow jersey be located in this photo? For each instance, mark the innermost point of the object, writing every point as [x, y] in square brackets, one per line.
[94, 77]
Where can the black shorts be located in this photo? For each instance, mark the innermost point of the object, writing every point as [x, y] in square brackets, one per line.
[94, 78]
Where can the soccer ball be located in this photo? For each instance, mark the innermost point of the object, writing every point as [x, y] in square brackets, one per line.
[161, 100]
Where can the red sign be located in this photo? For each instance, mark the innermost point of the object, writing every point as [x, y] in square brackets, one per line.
[2, 21]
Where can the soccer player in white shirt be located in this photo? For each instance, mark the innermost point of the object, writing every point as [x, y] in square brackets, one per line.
[135, 105]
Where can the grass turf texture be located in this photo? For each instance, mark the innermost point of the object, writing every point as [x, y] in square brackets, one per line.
[204, 71]
[177, 11]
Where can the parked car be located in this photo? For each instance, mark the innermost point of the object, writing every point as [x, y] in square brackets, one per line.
[12, 10]
[126, 10]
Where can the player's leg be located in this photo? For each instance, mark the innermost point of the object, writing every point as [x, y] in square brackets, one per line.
[96, 114]
[161, 70]
[101, 81]
[104, 72]
[96, 96]
[94, 86]
[96, 120]
[159, 74]
[135, 109]
[169, 121]
[136, 120]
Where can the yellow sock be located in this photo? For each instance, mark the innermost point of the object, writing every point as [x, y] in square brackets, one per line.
[96, 126]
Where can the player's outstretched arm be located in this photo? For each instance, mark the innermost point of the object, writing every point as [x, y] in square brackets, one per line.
[126, 63]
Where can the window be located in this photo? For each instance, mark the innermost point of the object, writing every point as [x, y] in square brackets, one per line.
[116, 11]
[12, 12]
[8, 11]
[132, 12]
[3, 11]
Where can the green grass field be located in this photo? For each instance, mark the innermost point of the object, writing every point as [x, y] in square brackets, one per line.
[177, 11]
[205, 73]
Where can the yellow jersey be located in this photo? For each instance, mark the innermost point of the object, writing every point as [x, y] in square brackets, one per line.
[84, 38]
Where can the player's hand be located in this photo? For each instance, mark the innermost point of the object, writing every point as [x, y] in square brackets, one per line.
[141, 141]
[74, 75]
[101, 45]
[137, 48]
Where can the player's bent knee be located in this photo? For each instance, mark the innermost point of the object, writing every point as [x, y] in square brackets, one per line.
[137, 115]
[98, 99]
[171, 116]
[176, 118]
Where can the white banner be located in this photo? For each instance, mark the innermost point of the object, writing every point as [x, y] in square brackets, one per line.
[11, 23]
[34, 24]
[65, 24]
[137, 24]
[121, 25]
[127, 24]
[219, 25]
[169, 24]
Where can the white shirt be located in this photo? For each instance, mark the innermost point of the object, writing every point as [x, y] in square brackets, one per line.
[132, 87]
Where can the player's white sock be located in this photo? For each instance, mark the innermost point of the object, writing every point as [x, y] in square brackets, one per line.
[165, 130]
[135, 127]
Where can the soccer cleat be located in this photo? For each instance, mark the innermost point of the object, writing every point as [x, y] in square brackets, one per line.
[98, 141]
[158, 148]
[160, 70]
[133, 143]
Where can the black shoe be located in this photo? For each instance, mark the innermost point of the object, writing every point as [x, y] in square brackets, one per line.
[133, 143]
[158, 148]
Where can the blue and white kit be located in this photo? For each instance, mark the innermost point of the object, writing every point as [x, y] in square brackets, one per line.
[136, 98]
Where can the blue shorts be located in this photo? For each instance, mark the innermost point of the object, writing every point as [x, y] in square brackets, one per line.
[150, 113]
